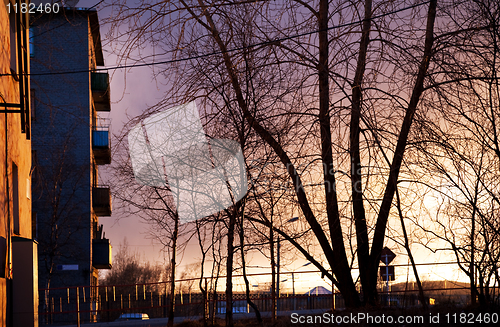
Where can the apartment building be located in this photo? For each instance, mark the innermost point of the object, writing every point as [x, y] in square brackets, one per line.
[18, 250]
[70, 142]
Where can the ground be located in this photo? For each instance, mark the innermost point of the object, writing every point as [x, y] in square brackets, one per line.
[445, 315]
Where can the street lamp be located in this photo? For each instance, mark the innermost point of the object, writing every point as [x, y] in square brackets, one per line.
[293, 283]
[293, 275]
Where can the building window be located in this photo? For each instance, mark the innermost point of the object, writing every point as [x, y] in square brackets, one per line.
[34, 225]
[34, 166]
[3, 256]
[94, 174]
[13, 41]
[31, 37]
[33, 103]
[15, 197]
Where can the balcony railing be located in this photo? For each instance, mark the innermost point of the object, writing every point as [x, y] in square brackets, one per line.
[101, 145]
[100, 91]
[101, 254]
[101, 201]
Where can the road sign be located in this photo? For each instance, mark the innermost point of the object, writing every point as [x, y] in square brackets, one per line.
[387, 255]
[387, 269]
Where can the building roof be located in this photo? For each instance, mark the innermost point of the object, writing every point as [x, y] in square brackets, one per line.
[318, 290]
[91, 13]
[96, 36]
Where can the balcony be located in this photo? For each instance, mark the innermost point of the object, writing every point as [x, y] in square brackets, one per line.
[100, 91]
[101, 201]
[101, 254]
[101, 145]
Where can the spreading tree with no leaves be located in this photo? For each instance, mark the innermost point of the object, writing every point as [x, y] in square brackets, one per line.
[329, 90]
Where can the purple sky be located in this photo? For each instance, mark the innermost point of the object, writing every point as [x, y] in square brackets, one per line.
[131, 99]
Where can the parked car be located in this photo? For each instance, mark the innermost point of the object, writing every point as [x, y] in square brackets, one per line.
[133, 316]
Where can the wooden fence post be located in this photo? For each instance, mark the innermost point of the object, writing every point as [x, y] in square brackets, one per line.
[77, 307]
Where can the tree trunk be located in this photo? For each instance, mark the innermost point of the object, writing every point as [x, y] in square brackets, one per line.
[273, 274]
[369, 290]
[381, 225]
[204, 292]
[472, 278]
[421, 295]
[338, 258]
[203, 289]
[247, 284]
[171, 305]
[229, 269]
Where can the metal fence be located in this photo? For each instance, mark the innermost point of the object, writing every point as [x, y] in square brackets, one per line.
[107, 302]
[63, 311]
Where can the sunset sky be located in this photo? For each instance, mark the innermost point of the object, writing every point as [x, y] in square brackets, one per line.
[134, 90]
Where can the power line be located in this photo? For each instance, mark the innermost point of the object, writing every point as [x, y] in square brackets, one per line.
[97, 4]
[220, 52]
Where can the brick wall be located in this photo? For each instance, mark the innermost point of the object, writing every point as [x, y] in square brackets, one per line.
[14, 148]
[62, 140]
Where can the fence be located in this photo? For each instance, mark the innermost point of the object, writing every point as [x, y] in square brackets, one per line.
[64, 311]
[106, 303]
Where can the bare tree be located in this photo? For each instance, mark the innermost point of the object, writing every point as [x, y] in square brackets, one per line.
[129, 269]
[461, 148]
[282, 77]
[154, 205]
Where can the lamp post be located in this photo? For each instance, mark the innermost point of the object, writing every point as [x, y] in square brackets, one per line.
[278, 277]
[293, 284]
[291, 220]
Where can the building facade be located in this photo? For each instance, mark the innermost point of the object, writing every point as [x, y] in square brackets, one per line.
[70, 141]
[18, 250]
